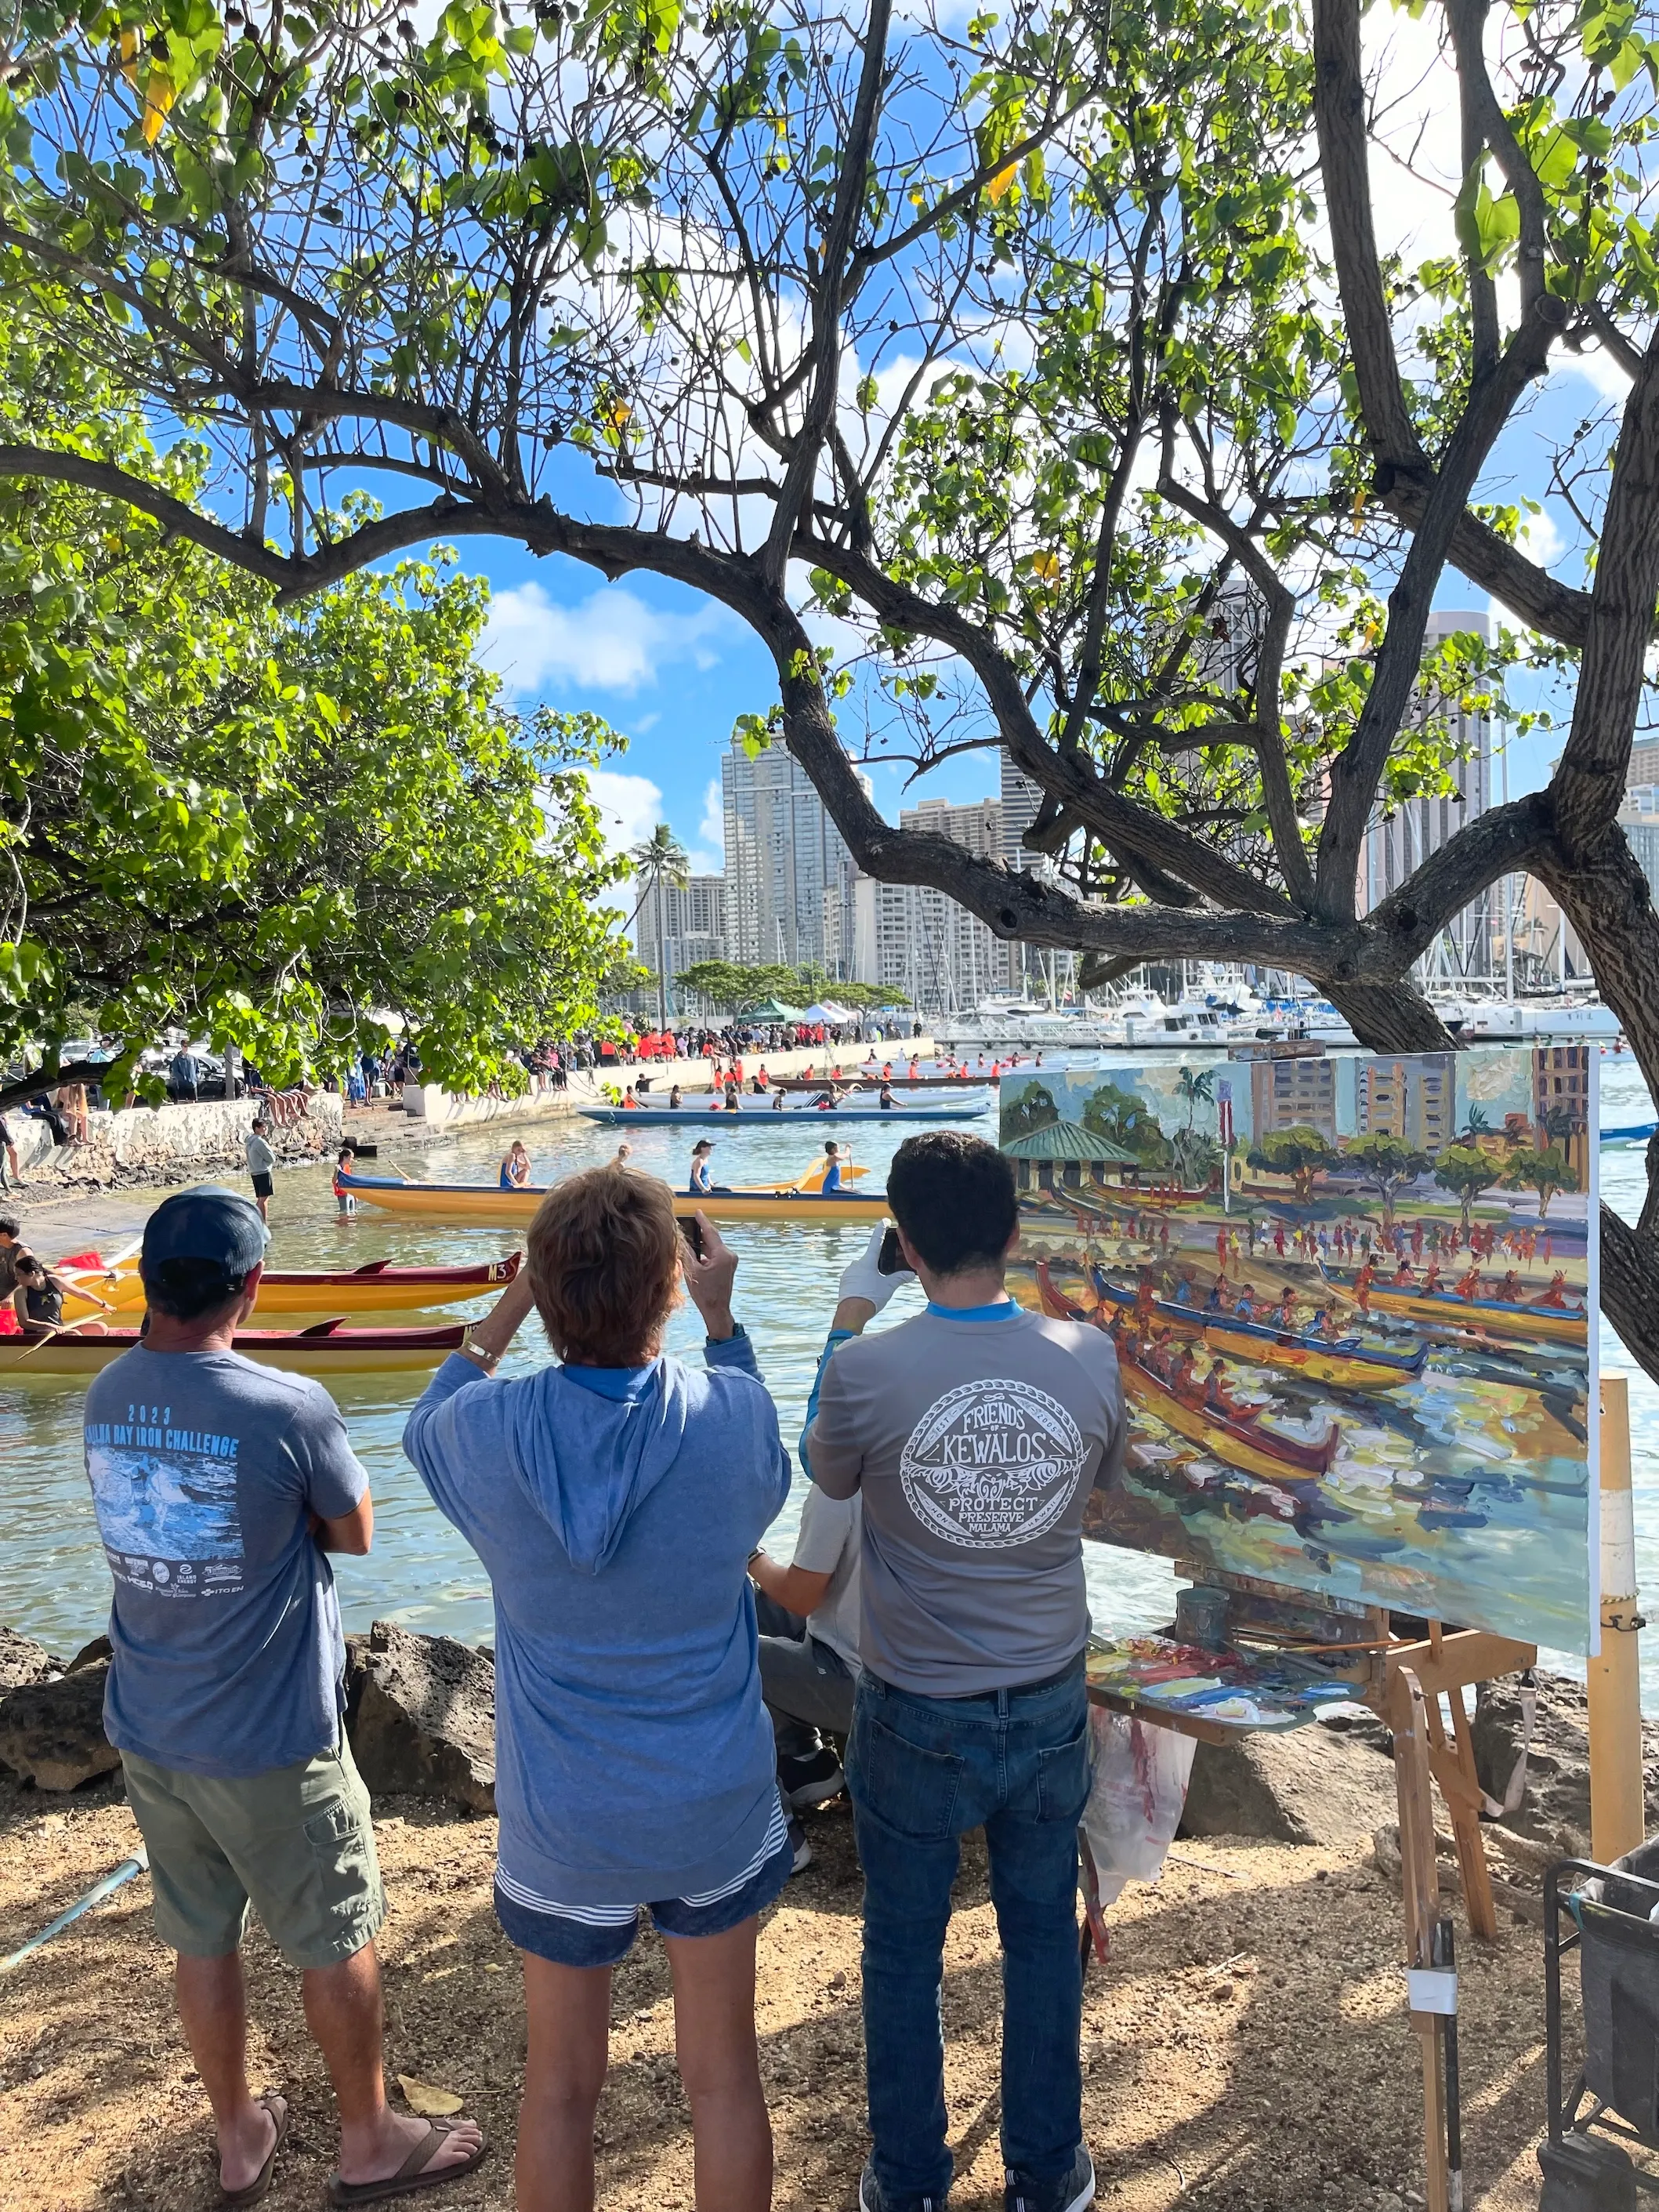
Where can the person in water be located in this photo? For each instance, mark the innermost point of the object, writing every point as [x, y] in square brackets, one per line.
[832, 1181]
[515, 1168]
[345, 1162]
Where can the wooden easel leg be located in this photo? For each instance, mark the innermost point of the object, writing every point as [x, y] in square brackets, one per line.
[1420, 1897]
[1463, 1805]
[1466, 1827]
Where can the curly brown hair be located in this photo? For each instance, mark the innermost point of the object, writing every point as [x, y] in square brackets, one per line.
[604, 1265]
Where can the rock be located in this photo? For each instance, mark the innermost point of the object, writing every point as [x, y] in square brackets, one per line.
[89, 1654]
[421, 1715]
[22, 1661]
[52, 1733]
[1556, 1809]
[1307, 1786]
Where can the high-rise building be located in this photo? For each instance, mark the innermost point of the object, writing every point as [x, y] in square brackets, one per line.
[1293, 1094]
[1412, 1099]
[1021, 801]
[680, 925]
[1401, 837]
[916, 940]
[788, 873]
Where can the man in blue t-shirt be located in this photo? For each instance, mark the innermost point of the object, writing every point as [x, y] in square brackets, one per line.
[220, 1488]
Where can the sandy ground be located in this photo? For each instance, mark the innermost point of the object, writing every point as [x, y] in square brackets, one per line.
[1246, 2047]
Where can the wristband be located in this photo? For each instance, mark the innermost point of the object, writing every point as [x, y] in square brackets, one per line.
[476, 1351]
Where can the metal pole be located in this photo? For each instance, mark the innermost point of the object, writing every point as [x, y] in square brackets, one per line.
[1617, 1821]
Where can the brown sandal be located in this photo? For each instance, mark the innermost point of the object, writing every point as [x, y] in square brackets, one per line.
[416, 2172]
[260, 2185]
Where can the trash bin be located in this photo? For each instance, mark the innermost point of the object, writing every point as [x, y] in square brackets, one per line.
[1618, 1968]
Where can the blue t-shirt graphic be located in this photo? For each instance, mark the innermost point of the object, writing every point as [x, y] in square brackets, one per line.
[204, 1468]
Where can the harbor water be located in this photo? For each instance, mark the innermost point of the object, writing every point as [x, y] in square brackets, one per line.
[54, 1584]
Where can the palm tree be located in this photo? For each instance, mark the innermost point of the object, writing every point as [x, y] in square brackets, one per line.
[660, 858]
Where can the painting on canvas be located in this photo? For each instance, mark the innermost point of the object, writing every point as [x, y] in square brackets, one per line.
[1351, 1296]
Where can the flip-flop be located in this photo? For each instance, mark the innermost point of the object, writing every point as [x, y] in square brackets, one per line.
[416, 2172]
[260, 2185]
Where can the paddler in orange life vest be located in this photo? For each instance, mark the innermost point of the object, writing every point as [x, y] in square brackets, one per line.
[1557, 1293]
[1362, 1286]
[1468, 1286]
[1403, 1277]
[1431, 1285]
[1146, 1299]
[1509, 1291]
[630, 1103]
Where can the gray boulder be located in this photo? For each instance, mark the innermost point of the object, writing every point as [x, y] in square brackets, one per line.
[421, 1715]
[52, 1733]
[1556, 1807]
[23, 1661]
[1307, 1786]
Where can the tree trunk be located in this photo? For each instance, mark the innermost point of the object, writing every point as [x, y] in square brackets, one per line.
[1395, 1017]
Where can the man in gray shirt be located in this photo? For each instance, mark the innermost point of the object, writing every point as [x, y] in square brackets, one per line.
[975, 1434]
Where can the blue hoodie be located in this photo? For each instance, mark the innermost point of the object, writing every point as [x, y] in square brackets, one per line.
[615, 1516]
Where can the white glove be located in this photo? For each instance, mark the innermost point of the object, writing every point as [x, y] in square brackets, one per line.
[863, 1279]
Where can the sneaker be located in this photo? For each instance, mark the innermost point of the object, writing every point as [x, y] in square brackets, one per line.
[812, 1780]
[799, 1844]
[871, 2198]
[1069, 2193]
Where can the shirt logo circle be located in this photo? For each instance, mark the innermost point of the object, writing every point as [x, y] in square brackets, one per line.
[991, 1463]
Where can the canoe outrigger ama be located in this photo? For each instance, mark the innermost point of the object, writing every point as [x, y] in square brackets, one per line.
[1342, 1360]
[1240, 1439]
[472, 1201]
[329, 1347]
[375, 1287]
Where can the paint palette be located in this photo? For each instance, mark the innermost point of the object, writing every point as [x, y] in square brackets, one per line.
[1230, 1689]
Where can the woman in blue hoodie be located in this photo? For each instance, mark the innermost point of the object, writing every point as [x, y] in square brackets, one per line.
[615, 1500]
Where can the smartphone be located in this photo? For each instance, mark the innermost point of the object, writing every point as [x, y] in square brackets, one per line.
[890, 1260]
[691, 1230]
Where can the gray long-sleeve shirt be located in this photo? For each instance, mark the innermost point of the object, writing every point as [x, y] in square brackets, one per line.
[261, 1158]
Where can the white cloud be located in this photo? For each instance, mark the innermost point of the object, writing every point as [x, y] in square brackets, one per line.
[630, 806]
[1541, 539]
[613, 641]
[708, 855]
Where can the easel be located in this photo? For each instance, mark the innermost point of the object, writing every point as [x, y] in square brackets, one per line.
[1403, 1682]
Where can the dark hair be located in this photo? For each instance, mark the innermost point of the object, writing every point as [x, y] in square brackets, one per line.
[605, 1263]
[186, 1290]
[953, 1196]
[348, 1149]
[27, 1264]
[10, 1226]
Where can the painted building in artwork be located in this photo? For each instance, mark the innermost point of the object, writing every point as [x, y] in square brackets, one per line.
[789, 876]
[1413, 1099]
[1561, 1078]
[1293, 1094]
[912, 939]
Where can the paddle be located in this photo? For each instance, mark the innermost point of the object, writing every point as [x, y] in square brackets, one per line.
[107, 1267]
[55, 1329]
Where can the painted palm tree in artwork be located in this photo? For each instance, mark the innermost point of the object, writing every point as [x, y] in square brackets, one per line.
[660, 860]
[1194, 1084]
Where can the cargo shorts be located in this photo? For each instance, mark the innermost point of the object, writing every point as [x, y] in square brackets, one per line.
[296, 1843]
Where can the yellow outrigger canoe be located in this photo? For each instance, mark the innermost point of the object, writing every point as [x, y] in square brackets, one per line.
[377, 1287]
[1545, 1324]
[329, 1348]
[472, 1201]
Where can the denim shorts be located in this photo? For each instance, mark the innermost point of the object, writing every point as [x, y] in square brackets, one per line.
[567, 1941]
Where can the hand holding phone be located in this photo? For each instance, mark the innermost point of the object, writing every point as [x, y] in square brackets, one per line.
[709, 1267]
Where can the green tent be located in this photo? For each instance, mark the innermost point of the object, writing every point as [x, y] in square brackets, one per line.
[773, 1009]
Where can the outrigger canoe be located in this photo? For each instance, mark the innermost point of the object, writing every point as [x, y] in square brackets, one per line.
[1546, 1324]
[329, 1347]
[1346, 1362]
[472, 1201]
[754, 1113]
[1242, 1440]
[375, 1287]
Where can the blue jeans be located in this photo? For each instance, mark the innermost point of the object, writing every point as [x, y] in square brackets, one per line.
[922, 1771]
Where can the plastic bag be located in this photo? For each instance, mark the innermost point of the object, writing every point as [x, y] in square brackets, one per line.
[1136, 1798]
